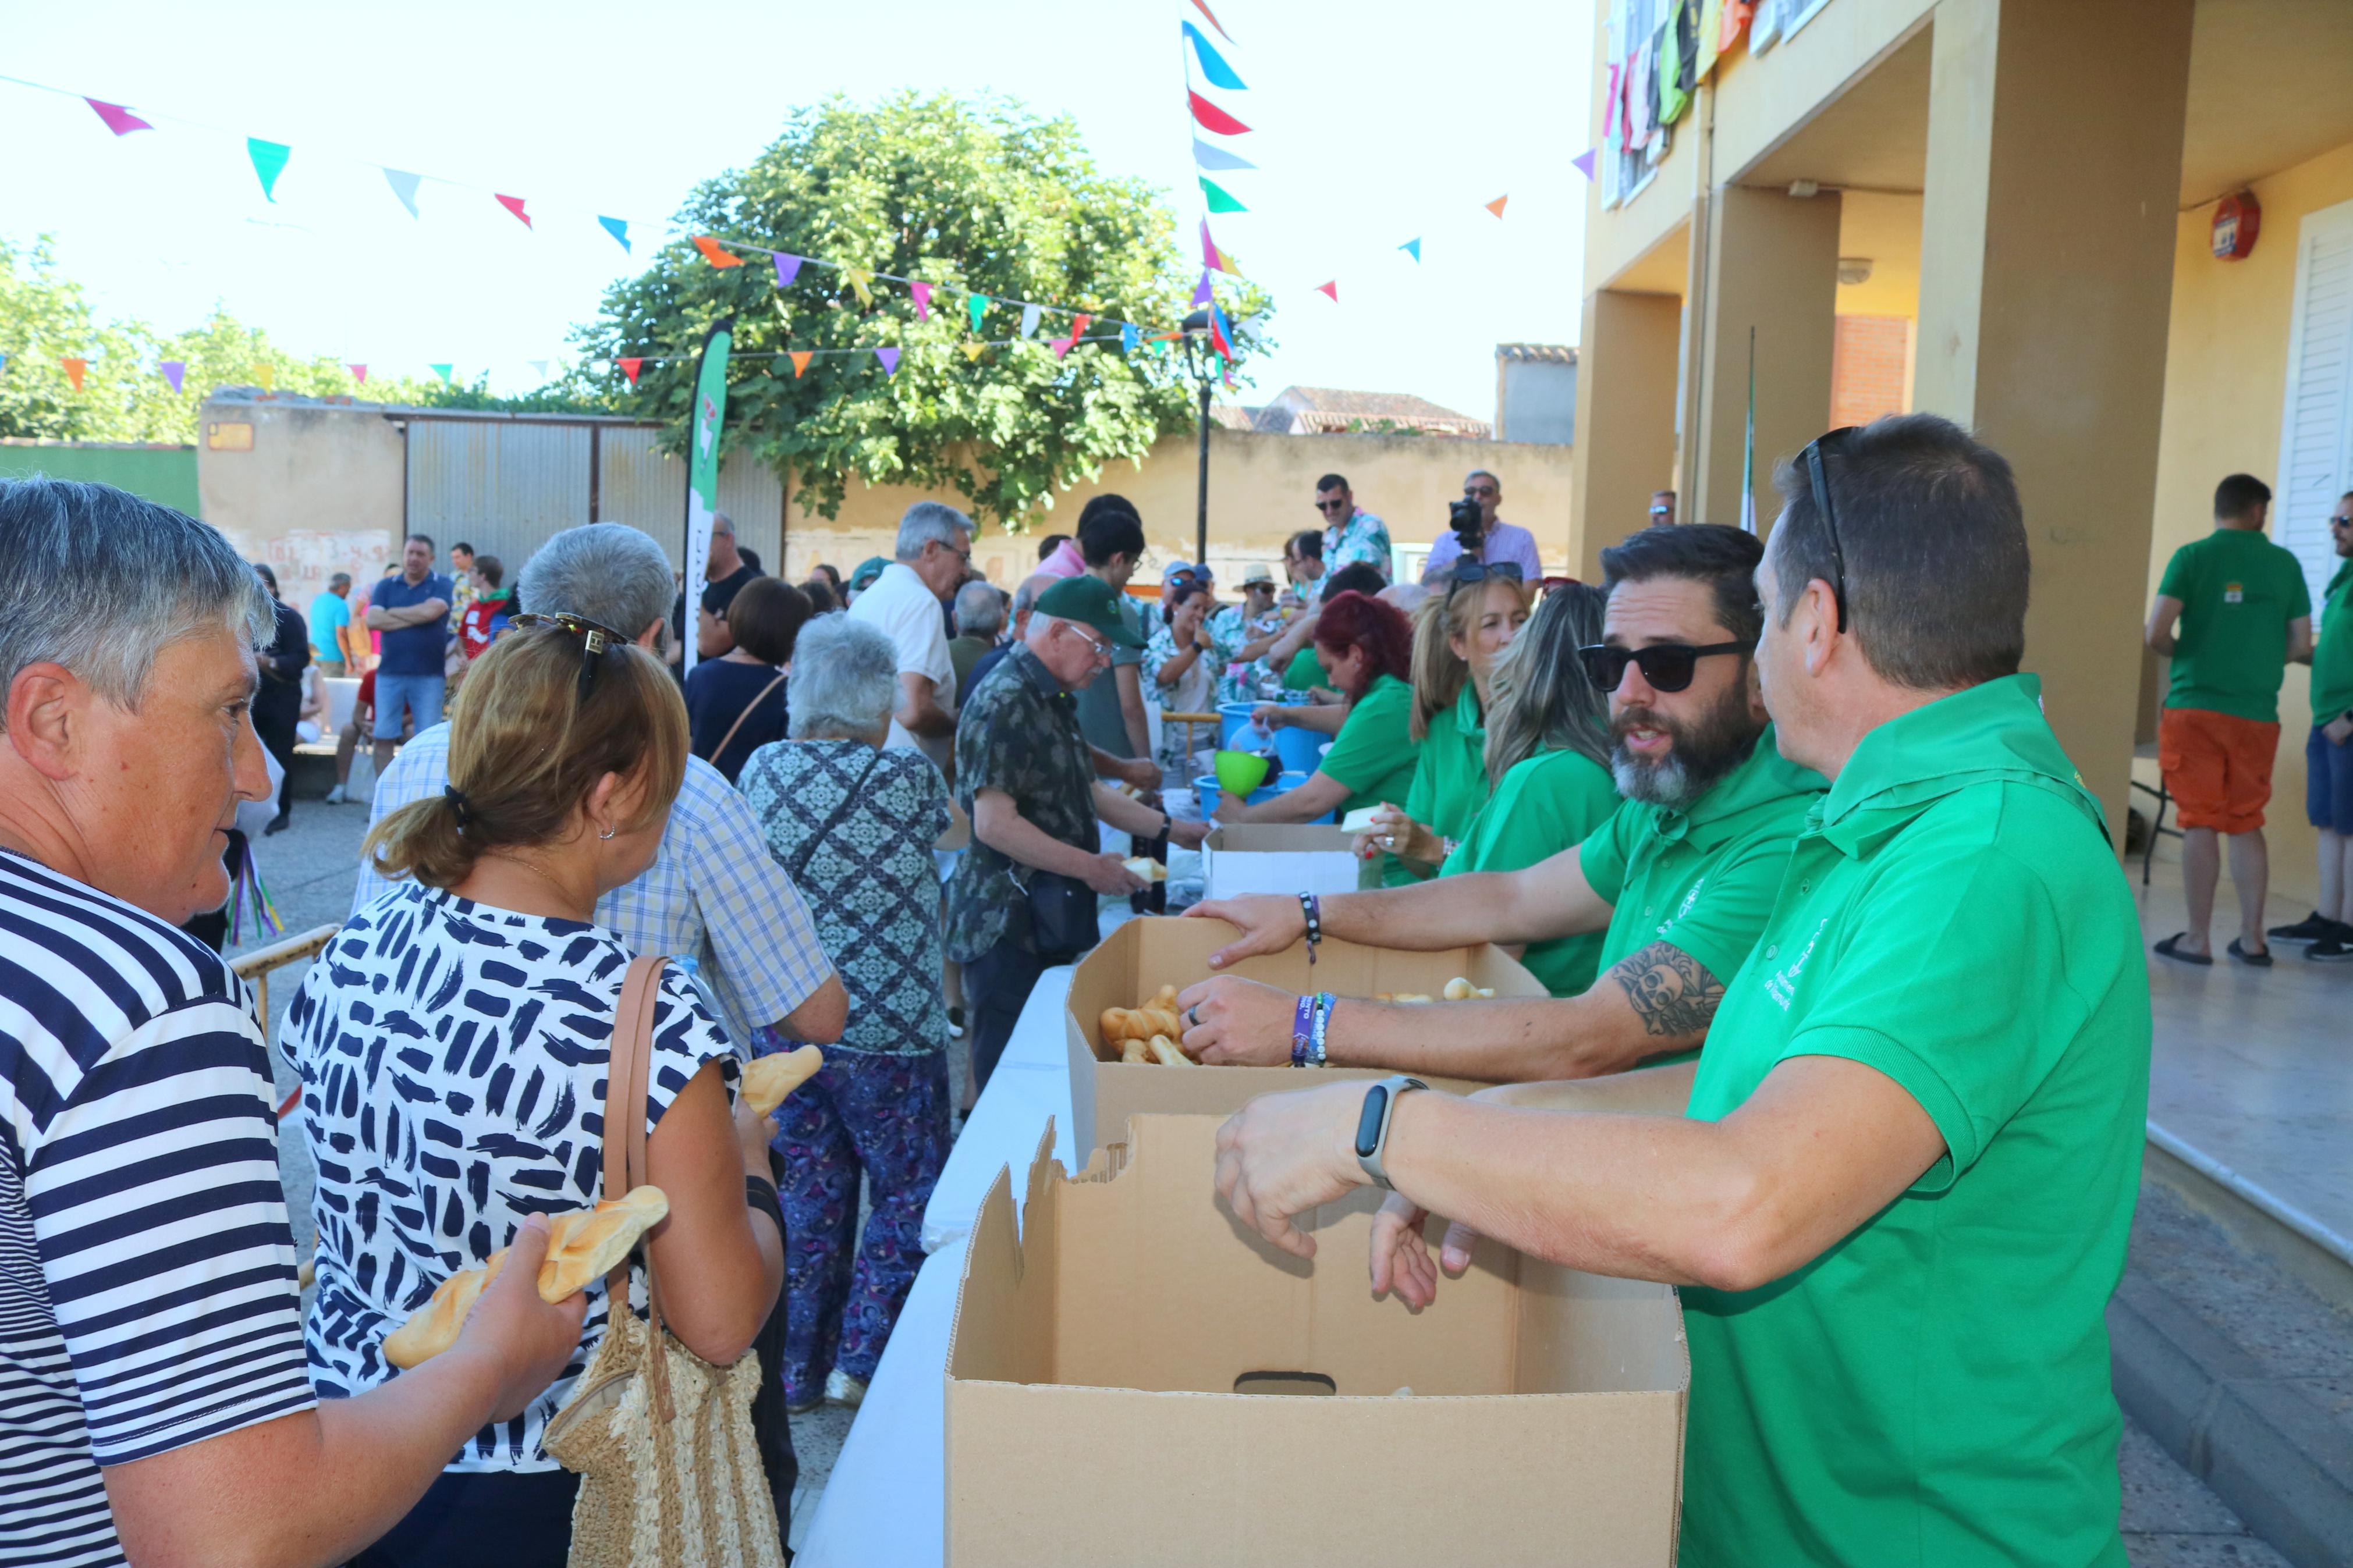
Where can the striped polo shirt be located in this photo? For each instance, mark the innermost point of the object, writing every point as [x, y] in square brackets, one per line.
[147, 1293]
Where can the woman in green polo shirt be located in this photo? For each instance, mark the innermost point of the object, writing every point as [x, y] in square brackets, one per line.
[1457, 639]
[1366, 647]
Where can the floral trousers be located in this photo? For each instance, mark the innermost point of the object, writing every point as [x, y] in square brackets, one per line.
[876, 1115]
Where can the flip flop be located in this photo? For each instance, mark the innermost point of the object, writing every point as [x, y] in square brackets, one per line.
[2167, 948]
[2256, 960]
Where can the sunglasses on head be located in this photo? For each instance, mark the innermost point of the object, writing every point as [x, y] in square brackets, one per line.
[1818, 480]
[1481, 571]
[1666, 666]
[597, 642]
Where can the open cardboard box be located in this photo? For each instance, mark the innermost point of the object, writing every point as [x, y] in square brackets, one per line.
[1143, 954]
[1116, 1376]
[1278, 857]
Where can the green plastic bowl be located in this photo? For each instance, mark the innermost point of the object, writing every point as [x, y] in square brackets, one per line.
[1242, 772]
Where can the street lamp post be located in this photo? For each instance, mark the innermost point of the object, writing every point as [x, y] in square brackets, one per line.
[1197, 364]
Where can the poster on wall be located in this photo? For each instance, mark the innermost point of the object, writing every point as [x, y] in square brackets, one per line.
[702, 469]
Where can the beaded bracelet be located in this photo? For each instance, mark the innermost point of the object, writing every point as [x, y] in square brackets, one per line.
[1312, 907]
[1303, 1030]
[1324, 1003]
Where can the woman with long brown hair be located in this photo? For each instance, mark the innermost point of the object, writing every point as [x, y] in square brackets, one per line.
[453, 1042]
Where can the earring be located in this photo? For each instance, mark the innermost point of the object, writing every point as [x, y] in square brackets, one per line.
[606, 834]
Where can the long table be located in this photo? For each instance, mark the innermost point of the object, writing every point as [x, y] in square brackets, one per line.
[885, 1500]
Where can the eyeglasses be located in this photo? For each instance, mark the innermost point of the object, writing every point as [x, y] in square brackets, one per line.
[1478, 492]
[1101, 650]
[2342, 520]
[1666, 666]
[1821, 484]
[1332, 506]
[1481, 571]
[596, 642]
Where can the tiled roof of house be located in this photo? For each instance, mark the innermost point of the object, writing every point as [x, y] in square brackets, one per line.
[1326, 410]
[1557, 353]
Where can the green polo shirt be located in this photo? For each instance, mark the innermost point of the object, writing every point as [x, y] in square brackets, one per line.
[1450, 784]
[1375, 755]
[2238, 592]
[1305, 672]
[2332, 652]
[1932, 1391]
[1545, 803]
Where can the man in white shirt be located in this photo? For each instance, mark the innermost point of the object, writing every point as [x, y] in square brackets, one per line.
[1499, 543]
[934, 551]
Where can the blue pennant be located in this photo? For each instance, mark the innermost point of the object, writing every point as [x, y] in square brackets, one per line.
[1213, 65]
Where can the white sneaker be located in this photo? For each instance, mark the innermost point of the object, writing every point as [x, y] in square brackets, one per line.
[844, 1390]
[336, 797]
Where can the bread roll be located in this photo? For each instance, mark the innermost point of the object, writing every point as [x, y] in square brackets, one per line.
[768, 1080]
[583, 1245]
[1134, 1051]
[1461, 990]
[1164, 1051]
[1146, 866]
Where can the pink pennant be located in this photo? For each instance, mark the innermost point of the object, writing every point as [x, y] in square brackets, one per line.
[119, 120]
[1213, 117]
[1062, 346]
[923, 294]
[1331, 290]
[359, 373]
[514, 206]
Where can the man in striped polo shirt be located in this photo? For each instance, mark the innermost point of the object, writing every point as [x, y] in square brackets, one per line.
[154, 1404]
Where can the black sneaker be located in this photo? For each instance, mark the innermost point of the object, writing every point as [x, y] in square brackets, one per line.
[2314, 927]
[2332, 949]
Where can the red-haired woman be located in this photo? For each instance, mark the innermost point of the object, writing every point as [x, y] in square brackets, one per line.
[1366, 651]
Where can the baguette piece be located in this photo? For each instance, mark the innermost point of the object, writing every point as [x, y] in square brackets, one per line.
[581, 1247]
[768, 1080]
[1461, 990]
[1146, 866]
[1164, 1051]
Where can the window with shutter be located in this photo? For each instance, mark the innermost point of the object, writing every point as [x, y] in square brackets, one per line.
[2316, 463]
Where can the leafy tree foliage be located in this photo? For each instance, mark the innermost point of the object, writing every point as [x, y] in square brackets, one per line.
[983, 198]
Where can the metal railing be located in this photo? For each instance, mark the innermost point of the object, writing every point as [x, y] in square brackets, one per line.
[255, 968]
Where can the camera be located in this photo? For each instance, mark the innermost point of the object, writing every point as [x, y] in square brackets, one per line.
[1469, 525]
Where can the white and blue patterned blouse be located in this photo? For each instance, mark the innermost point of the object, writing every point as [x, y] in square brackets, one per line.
[453, 1058]
[870, 879]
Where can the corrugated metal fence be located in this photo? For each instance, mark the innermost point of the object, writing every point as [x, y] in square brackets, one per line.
[504, 484]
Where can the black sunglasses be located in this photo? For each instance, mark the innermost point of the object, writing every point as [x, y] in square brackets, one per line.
[1819, 482]
[1667, 666]
[597, 642]
[1330, 505]
[1479, 571]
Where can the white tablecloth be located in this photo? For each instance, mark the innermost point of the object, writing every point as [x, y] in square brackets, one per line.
[885, 1500]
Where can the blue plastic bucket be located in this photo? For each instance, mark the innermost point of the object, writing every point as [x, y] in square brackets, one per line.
[1205, 790]
[1301, 751]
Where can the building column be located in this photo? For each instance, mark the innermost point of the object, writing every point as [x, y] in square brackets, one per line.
[1625, 418]
[1772, 270]
[2046, 283]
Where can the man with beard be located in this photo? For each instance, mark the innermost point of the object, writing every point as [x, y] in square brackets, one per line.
[1682, 876]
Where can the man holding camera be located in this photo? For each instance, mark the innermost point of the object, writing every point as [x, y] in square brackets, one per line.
[1476, 533]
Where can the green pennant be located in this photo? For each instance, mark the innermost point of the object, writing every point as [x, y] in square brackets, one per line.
[1219, 201]
[442, 371]
[975, 306]
[268, 162]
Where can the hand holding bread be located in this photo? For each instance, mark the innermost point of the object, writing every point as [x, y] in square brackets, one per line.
[767, 1082]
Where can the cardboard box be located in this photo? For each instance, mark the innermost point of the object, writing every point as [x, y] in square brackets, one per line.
[1093, 1412]
[1273, 858]
[1145, 954]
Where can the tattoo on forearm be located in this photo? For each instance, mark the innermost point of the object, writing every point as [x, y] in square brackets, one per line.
[1670, 991]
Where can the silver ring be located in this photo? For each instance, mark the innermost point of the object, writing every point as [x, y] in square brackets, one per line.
[1193, 1016]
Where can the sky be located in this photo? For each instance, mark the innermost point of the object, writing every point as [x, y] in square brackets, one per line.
[1373, 124]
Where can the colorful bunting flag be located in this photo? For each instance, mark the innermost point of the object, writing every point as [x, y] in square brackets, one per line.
[922, 294]
[174, 370]
[442, 371]
[1583, 162]
[629, 368]
[1129, 337]
[715, 253]
[1213, 65]
[890, 358]
[1078, 327]
[359, 373]
[1221, 336]
[1202, 6]
[1254, 329]
[1212, 258]
[1029, 314]
[403, 188]
[788, 267]
[75, 369]
[800, 358]
[1202, 293]
[266, 374]
[620, 229]
[514, 206]
[119, 120]
[539, 367]
[974, 350]
[268, 162]
[1330, 290]
[1221, 201]
[1213, 117]
[862, 282]
[1208, 157]
[1496, 207]
[1062, 346]
[1412, 248]
[3, 362]
[975, 306]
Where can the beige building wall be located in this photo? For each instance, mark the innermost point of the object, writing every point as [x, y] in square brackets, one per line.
[2225, 384]
[319, 492]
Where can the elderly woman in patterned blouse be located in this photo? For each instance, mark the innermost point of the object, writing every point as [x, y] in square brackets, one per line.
[854, 825]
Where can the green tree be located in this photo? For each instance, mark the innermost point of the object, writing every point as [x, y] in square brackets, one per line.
[981, 197]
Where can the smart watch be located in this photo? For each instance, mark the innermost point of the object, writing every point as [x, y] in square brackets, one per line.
[1373, 1124]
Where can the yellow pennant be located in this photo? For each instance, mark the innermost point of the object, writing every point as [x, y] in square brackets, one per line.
[267, 374]
[973, 351]
[861, 279]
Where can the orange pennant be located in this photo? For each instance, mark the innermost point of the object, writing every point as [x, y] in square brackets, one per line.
[800, 358]
[74, 369]
[715, 253]
[1496, 207]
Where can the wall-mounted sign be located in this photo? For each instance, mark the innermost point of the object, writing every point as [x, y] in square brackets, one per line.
[228, 435]
[2237, 220]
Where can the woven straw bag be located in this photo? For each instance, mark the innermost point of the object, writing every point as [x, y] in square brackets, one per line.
[662, 1439]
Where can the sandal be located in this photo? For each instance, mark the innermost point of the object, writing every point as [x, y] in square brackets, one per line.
[2256, 960]
[2170, 948]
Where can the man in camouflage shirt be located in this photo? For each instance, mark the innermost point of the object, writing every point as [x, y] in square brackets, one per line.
[1028, 780]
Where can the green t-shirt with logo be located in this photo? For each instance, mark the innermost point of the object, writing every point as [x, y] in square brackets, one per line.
[2238, 593]
[1375, 755]
[1545, 803]
[1305, 672]
[1932, 1391]
[2332, 651]
[1450, 783]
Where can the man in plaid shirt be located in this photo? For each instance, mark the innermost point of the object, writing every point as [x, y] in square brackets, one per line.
[714, 894]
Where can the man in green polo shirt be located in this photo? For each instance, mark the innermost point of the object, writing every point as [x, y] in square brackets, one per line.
[1900, 1194]
[2327, 931]
[1680, 876]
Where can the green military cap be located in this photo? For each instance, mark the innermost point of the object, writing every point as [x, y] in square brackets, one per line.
[1093, 601]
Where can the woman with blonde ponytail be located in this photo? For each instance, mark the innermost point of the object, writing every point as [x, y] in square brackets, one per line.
[453, 1040]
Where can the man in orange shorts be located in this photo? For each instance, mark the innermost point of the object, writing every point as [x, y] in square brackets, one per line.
[2231, 611]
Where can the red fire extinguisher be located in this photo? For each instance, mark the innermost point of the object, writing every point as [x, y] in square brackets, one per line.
[2237, 220]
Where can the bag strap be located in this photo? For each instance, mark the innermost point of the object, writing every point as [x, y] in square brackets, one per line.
[626, 1076]
[797, 866]
[720, 750]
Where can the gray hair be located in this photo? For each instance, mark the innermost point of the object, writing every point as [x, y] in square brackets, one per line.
[723, 523]
[340, 580]
[1025, 597]
[607, 572]
[927, 521]
[845, 680]
[980, 610]
[96, 579]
